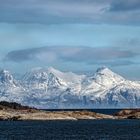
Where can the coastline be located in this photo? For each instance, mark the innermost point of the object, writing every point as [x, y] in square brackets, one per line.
[15, 111]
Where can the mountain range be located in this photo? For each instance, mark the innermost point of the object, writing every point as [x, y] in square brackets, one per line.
[49, 88]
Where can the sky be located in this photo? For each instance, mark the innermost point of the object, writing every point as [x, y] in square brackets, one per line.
[71, 35]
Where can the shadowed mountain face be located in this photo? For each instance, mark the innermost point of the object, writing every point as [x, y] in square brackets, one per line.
[51, 88]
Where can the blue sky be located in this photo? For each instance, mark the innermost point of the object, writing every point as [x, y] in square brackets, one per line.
[71, 35]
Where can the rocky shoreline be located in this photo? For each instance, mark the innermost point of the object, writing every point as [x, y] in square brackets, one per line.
[14, 111]
[128, 114]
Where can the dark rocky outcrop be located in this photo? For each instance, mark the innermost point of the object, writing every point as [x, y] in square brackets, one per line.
[13, 105]
[128, 114]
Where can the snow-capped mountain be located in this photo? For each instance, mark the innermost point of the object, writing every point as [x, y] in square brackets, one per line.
[10, 89]
[51, 88]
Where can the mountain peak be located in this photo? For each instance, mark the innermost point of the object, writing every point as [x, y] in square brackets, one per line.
[6, 77]
[104, 69]
[51, 88]
[107, 77]
[4, 71]
[106, 72]
[53, 70]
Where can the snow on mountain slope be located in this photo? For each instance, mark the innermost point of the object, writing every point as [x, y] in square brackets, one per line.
[48, 87]
[51, 88]
[126, 94]
[105, 77]
[52, 78]
[108, 89]
[41, 78]
[10, 90]
[6, 78]
[101, 81]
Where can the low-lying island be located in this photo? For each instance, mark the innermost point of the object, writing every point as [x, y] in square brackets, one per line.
[15, 111]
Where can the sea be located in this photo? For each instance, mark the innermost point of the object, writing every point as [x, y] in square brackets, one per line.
[71, 130]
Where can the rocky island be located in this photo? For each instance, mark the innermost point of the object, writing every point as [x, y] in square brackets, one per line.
[15, 111]
[128, 114]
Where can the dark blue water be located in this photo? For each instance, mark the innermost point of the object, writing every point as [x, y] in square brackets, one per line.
[70, 130]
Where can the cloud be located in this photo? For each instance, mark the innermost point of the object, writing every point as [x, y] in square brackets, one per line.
[57, 11]
[88, 55]
[125, 5]
[73, 11]
[114, 63]
[42, 53]
[129, 44]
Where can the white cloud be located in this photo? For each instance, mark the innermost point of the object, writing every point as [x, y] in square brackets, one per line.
[48, 57]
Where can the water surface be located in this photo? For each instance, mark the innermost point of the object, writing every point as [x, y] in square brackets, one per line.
[70, 130]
